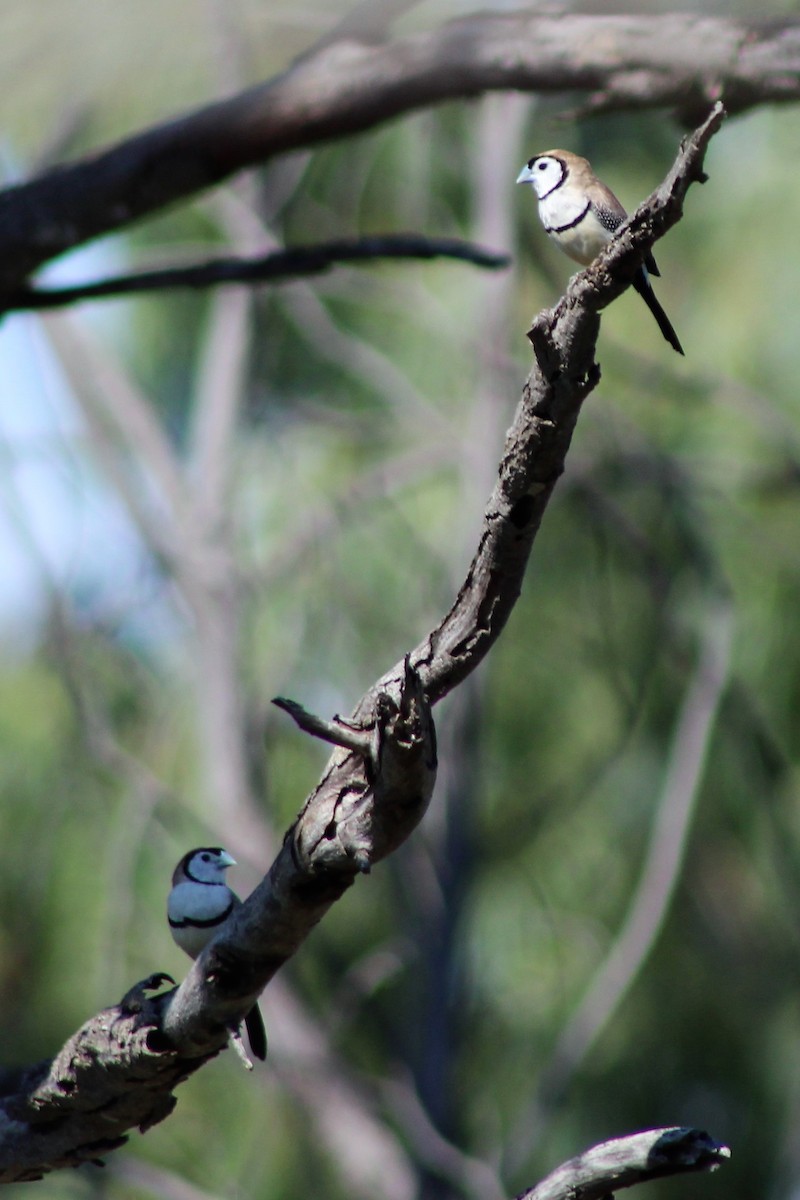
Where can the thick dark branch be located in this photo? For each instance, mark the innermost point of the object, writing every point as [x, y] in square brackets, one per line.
[115, 1074]
[604, 1169]
[370, 798]
[119, 1071]
[277, 267]
[564, 341]
[678, 60]
[366, 805]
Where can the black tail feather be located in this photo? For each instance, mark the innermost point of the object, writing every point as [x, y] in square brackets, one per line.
[642, 286]
[256, 1032]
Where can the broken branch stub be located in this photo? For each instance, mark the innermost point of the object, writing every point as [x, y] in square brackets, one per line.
[369, 801]
[623, 1162]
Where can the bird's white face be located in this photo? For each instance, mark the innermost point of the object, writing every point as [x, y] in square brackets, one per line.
[208, 865]
[544, 173]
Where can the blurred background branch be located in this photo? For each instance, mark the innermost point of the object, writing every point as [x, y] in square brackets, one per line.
[207, 501]
[661, 868]
[277, 266]
[620, 62]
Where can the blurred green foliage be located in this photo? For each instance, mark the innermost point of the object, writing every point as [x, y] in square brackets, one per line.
[375, 402]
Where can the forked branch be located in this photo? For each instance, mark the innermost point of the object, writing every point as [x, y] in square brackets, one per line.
[120, 1070]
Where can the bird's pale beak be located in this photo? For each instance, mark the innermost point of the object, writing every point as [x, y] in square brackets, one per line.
[525, 175]
[227, 860]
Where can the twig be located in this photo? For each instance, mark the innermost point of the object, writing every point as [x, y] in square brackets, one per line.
[337, 731]
[235, 1040]
[625, 1161]
[275, 267]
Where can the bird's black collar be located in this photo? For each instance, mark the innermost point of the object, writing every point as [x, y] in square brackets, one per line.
[570, 224]
[192, 923]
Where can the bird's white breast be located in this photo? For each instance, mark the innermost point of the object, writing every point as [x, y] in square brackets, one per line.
[197, 902]
[191, 940]
[582, 237]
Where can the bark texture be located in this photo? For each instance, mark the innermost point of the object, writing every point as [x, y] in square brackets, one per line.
[620, 1163]
[119, 1071]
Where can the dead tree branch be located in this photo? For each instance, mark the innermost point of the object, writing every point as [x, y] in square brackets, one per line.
[675, 60]
[623, 1162]
[119, 1071]
[279, 266]
[564, 341]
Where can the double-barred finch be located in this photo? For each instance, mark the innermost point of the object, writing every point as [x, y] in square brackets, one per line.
[582, 215]
[198, 906]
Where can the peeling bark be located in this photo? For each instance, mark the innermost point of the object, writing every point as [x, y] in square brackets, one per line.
[120, 1069]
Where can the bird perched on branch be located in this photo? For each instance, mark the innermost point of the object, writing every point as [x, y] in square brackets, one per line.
[198, 906]
[581, 215]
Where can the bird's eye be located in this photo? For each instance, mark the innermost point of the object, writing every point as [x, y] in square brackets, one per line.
[542, 166]
[206, 857]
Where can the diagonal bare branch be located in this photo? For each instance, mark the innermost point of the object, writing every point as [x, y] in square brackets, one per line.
[564, 340]
[363, 808]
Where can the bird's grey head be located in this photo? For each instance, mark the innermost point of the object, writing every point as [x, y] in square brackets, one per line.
[544, 173]
[207, 864]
